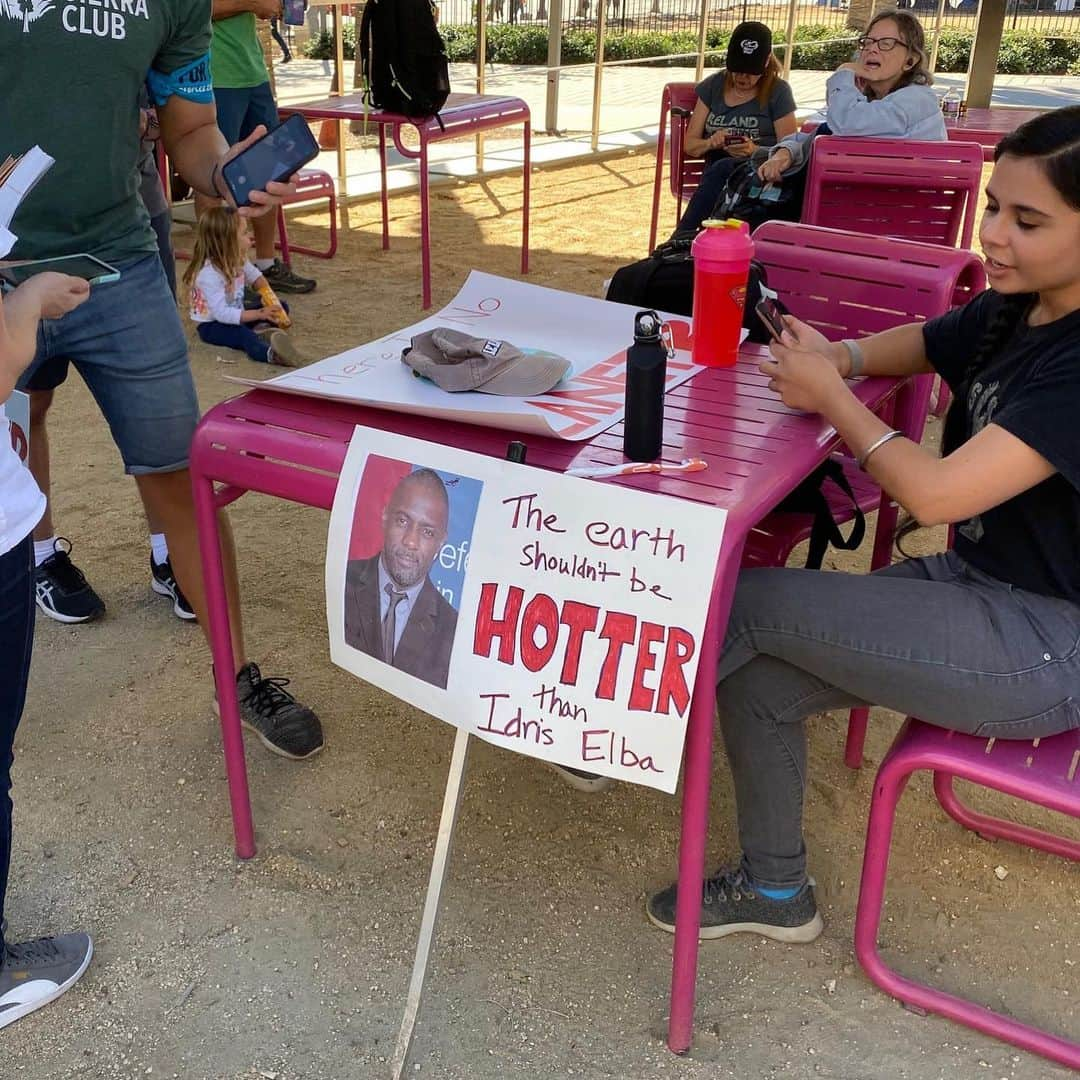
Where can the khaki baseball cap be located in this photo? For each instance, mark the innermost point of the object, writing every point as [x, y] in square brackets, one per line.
[455, 362]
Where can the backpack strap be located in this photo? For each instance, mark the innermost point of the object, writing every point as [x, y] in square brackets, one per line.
[824, 530]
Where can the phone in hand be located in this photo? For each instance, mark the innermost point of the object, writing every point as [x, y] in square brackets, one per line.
[87, 267]
[733, 137]
[273, 159]
[768, 311]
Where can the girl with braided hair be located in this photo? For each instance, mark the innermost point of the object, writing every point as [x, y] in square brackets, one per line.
[983, 639]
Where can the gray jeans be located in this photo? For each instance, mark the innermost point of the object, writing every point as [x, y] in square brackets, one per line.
[933, 638]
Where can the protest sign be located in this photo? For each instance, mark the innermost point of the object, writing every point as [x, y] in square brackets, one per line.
[17, 411]
[592, 334]
[568, 617]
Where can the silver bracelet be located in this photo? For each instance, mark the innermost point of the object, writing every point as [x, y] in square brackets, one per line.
[857, 360]
[876, 445]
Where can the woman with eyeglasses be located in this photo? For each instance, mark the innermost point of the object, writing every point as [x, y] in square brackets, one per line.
[885, 93]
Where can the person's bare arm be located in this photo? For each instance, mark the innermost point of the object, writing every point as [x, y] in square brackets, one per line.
[44, 296]
[696, 142]
[898, 352]
[261, 9]
[785, 126]
[199, 150]
[982, 473]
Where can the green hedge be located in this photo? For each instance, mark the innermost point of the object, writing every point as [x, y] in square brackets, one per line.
[1023, 52]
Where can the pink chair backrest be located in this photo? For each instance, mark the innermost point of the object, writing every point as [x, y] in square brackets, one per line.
[848, 284]
[922, 191]
[685, 173]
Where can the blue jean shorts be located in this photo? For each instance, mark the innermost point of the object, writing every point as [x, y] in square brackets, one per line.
[241, 110]
[128, 345]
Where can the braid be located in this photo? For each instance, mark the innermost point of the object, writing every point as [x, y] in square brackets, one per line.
[997, 333]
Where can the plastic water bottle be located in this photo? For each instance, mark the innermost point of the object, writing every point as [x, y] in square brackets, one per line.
[950, 104]
[722, 252]
[646, 373]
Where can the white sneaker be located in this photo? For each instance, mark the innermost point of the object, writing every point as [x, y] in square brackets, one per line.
[36, 972]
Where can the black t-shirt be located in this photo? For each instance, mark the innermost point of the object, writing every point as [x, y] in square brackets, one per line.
[1031, 388]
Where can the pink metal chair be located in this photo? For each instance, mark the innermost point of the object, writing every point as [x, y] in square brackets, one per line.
[924, 191]
[1045, 772]
[312, 184]
[684, 173]
[850, 285]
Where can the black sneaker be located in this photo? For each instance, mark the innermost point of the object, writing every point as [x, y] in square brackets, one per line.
[284, 725]
[283, 280]
[163, 583]
[731, 905]
[36, 972]
[581, 780]
[62, 591]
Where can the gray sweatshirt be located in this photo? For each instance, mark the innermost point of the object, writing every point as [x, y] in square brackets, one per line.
[912, 112]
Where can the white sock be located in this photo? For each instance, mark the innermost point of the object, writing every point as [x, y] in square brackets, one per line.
[264, 264]
[159, 548]
[43, 549]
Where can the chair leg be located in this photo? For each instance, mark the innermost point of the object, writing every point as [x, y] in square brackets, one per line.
[283, 237]
[856, 737]
[991, 828]
[887, 790]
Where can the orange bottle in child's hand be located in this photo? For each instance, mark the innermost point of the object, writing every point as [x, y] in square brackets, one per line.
[279, 316]
[722, 252]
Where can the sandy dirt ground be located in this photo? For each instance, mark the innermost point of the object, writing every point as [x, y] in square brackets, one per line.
[295, 964]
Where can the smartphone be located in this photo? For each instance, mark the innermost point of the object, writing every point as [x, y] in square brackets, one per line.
[86, 267]
[769, 313]
[275, 157]
[732, 137]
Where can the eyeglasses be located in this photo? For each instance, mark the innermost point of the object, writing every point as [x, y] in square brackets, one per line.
[885, 44]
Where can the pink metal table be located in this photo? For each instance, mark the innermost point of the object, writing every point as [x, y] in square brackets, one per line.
[461, 116]
[757, 452]
[988, 127]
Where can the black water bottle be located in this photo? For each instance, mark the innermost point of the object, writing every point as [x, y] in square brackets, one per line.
[646, 371]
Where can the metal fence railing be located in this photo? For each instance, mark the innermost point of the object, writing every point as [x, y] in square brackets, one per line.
[697, 21]
[640, 16]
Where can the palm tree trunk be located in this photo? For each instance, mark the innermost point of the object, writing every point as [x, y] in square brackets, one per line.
[859, 13]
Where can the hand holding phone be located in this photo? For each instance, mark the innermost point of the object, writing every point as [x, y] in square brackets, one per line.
[87, 267]
[271, 159]
[768, 311]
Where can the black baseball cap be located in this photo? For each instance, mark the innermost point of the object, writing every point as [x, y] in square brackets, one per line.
[749, 48]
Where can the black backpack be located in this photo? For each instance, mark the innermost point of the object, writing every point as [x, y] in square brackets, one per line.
[665, 282]
[403, 58]
[747, 198]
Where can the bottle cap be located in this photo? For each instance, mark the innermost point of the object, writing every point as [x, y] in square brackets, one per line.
[647, 326]
[722, 223]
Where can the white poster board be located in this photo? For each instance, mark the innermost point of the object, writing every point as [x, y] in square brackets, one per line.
[16, 409]
[592, 334]
[575, 633]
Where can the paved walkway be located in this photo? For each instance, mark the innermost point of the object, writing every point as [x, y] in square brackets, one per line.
[630, 107]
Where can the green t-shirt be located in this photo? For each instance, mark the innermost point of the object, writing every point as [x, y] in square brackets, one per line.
[236, 57]
[70, 77]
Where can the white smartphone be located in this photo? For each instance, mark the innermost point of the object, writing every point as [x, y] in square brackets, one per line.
[82, 266]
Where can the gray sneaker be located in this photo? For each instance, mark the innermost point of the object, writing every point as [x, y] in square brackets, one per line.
[283, 280]
[282, 351]
[731, 905]
[284, 725]
[36, 972]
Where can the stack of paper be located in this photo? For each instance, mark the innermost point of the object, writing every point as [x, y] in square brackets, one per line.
[18, 175]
